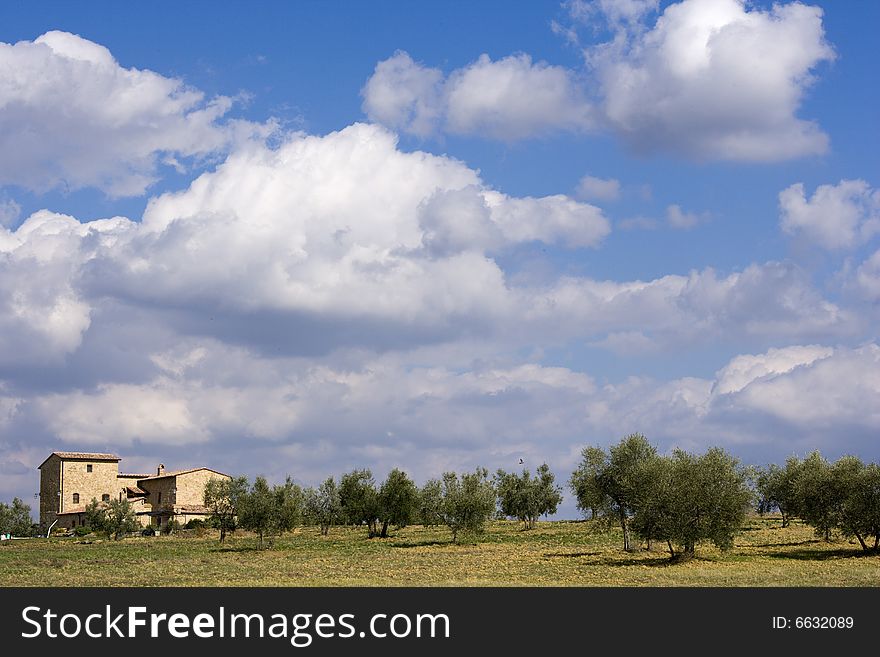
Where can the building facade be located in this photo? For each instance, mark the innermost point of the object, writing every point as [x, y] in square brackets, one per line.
[69, 481]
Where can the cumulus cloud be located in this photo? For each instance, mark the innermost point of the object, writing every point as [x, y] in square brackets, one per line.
[710, 79]
[42, 314]
[344, 225]
[508, 99]
[835, 217]
[764, 300]
[826, 392]
[715, 79]
[72, 117]
[744, 370]
[591, 188]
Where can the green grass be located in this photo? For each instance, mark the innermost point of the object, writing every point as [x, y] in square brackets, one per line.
[553, 554]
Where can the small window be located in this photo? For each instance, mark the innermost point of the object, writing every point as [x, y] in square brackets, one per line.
[89, 467]
[105, 497]
[76, 498]
[159, 501]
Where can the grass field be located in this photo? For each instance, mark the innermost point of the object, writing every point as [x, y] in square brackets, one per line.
[553, 554]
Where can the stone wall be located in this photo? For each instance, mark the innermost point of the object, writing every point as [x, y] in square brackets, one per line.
[50, 484]
[75, 479]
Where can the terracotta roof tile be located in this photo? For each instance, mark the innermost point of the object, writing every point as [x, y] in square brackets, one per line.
[90, 456]
[177, 473]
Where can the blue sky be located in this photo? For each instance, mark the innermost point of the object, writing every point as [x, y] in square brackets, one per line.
[334, 235]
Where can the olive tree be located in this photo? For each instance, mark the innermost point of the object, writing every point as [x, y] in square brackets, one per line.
[222, 498]
[592, 500]
[818, 494]
[322, 505]
[776, 488]
[268, 511]
[468, 502]
[860, 510]
[687, 499]
[398, 501]
[619, 478]
[527, 498]
[359, 500]
[15, 518]
[113, 518]
[430, 503]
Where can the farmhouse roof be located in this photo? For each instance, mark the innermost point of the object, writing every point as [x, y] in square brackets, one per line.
[87, 456]
[177, 473]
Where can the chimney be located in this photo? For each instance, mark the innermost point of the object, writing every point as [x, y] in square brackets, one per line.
[160, 470]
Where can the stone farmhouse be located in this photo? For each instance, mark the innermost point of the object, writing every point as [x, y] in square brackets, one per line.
[69, 481]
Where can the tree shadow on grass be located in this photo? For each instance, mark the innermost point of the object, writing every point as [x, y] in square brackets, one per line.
[770, 545]
[570, 554]
[237, 548]
[823, 555]
[651, 561]
[422, 544]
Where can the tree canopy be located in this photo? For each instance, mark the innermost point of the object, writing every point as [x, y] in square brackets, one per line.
[527, 498]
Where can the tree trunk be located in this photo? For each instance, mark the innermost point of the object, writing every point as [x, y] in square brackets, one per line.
[261, 539]
[384, 533]
[623, 526]
[671, 551]
[649, 545]
[862, 542]
[784, 518]
[222, 533]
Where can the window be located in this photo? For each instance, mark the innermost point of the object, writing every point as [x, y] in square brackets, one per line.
[159, 501]
[105, 497]
[76, 498]
[89, 467]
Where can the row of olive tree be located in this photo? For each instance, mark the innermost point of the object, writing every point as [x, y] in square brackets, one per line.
[265, 510]
[681, 499]
[843, 496]
[464, 503]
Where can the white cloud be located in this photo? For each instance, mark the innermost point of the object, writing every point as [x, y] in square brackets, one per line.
[340, 224]
[591, 188]
[829, 392]
[72, 117]
[744, 370]
[405, 95]
[315, 419]
[838, 216]
[616, 12]
[711, 79]
[868, 277]
[122, 414]
[344, 241]
[678, 218]
[42, 314]
[508, 99]
[715, 79]
[770, 300]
